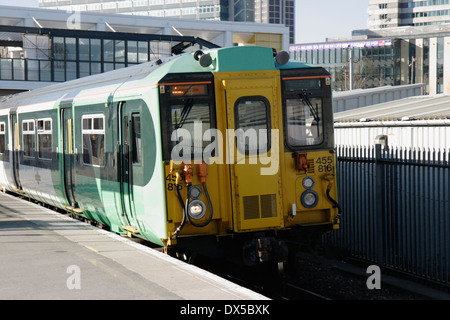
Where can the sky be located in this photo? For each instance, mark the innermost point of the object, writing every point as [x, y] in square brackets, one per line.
[316, 20]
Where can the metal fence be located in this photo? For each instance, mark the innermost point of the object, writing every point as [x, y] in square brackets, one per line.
[395, 209]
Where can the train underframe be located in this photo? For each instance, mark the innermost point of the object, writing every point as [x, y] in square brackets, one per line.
[252, 248]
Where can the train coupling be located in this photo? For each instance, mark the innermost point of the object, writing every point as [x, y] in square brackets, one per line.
[264, 249]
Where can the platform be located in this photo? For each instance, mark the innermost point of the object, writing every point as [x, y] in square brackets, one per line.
[47, 255]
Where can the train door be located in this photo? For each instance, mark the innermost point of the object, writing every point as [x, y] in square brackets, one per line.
[253, 151]
[15, 150]
[68, 157]
[130, 161]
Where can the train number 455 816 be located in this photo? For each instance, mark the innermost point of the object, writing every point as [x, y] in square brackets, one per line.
[325, 164]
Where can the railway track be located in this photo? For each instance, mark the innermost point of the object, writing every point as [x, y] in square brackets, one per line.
[282, 290]
[294, 292]
[266, 280]
[315, 278]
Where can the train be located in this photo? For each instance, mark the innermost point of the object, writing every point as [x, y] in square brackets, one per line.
[226, 152]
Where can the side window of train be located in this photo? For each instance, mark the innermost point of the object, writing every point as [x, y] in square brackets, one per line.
[252, 116]
[2, 137]
[136, 138]
[44, 130]
[93, 131]
[28, 138]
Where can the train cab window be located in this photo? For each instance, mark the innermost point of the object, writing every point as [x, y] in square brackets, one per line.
[44, 130]
[28, 138]
[193, 116]
[2, 137]
[304, 121]
[303, 110]
[252, 124]
[188, 110]
[93, 131]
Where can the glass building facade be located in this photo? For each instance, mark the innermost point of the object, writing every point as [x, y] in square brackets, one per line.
[374, 63]
[79, 57]
[63, 55]
[379, 62]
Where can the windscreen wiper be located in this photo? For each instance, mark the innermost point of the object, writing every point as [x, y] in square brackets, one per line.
[185, 112]
[306, 101]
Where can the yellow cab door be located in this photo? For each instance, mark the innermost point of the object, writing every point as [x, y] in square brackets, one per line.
[252, 147]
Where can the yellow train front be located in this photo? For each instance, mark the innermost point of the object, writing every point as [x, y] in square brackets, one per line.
[248, 155]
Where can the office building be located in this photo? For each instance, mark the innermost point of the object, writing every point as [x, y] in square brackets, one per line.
[355, 64]
[399, 13]
[277, 11]
[262, 11]
[397, 56]
[407, 42]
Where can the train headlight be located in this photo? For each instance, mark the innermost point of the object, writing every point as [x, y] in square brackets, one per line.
[309, 198]
[196, 209]
[308, 182]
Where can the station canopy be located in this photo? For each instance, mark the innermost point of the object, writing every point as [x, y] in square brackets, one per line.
[418, 108]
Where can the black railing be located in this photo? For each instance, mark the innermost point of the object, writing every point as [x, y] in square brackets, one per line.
[396, 210]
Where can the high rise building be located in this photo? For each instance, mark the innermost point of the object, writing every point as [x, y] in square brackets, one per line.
[407, 42]
[262, 11]
[277, 11]
[399, 13]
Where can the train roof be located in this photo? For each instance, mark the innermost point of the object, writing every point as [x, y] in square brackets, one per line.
[247, 58]
[418, 108]
[71, 89]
